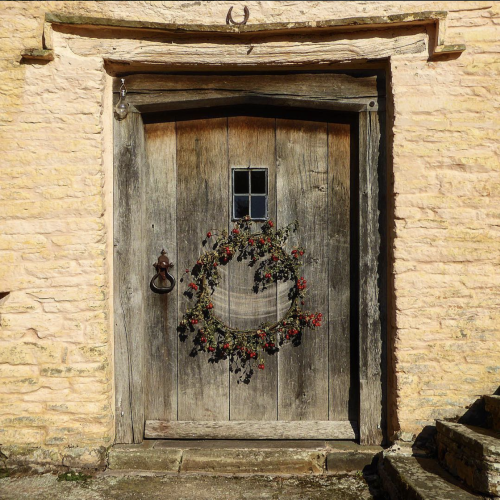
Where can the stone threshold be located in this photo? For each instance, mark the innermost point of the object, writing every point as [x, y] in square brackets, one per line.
[241, 457]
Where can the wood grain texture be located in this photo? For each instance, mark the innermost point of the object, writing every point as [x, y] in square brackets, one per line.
[317, 49]
[339, 251]
[129, 287]
[159, 232]
[202, 204]
[251, 430]
[370, 335]
[301, 149]
[301, 85]
[252, 144]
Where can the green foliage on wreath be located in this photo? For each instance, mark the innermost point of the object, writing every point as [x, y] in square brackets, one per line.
[266, 253]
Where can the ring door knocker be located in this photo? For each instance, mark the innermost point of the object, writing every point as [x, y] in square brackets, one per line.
[162, 267]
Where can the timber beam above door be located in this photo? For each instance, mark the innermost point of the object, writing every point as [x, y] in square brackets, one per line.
[347, 92]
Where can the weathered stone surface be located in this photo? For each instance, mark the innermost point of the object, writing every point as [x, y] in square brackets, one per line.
[411, 478]
[186, 487]
[283, 461]
[146, 459]
[342, 462]
[472, 454]
[492, 406]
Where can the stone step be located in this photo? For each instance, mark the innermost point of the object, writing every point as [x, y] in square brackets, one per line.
[472, 454]
[413, 478]
[492, 407]
[242, 457]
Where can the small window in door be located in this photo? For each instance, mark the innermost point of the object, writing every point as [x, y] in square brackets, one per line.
[250, 193]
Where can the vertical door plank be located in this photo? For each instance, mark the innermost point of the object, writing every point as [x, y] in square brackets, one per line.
[202, 204]
[301, 149]
[159, 232]
[129, 278]
[252, 144]
[370, 339]
[339, 187]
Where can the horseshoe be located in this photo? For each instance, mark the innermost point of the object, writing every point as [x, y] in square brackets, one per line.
[230, 20]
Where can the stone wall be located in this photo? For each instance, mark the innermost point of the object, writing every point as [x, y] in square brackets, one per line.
[56, 337]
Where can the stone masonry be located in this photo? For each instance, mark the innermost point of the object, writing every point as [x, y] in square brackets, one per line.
[56, 329]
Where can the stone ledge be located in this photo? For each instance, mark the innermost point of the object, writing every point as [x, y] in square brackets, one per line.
[472, 454]
[53, 458]
[144, 459]
[342, 462]
[412, 478]
[482, 443]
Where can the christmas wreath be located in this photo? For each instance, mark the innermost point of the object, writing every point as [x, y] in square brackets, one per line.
[265, 251]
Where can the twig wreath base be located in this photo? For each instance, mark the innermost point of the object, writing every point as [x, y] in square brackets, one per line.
[266, 253]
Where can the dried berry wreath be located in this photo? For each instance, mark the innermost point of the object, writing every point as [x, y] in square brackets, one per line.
[273, 264]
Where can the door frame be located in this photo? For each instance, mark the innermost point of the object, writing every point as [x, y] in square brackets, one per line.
[129, 290]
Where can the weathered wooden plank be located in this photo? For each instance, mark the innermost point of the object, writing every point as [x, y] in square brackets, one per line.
[252, 144]
[129, 287]
[159, 232]
[318, 50]
[301, 150]
[251, 430]
[370, 335]
[339, 290]
[202, 204]
[306, 85]
[193, 100]
[291, 28]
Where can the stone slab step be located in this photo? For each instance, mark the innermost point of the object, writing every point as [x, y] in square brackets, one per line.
[162, 486]
[492, 407]
[472, 454]
[241, 457]
[413, 478]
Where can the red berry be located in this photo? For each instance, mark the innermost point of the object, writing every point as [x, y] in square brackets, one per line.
[187, 270]
[210, 306]
[271, 223]
[251, 242]
[236, 231]
[209, 234]
[203, 340]
[211, 349]
[268, 276]
[261, 366]
[262, 241]
[301, 252]
[215, 264]
[225, 346]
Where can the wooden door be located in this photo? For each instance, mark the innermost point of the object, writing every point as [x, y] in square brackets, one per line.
[308, 165]
[173, 183]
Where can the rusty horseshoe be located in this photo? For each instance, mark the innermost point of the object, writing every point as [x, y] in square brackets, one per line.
[230, 20]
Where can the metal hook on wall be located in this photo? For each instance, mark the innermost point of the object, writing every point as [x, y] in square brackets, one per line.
[230, 20]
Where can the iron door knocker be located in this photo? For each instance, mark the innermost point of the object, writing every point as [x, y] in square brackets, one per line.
[162, 267]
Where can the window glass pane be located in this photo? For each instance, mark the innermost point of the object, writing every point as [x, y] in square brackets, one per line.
[258, 207]
[240, 207]
[259, 182]
[241, 182]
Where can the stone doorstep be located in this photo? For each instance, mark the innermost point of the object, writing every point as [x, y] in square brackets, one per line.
[484, 444]
[492, 407]
[413, 478]
[240, 458]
